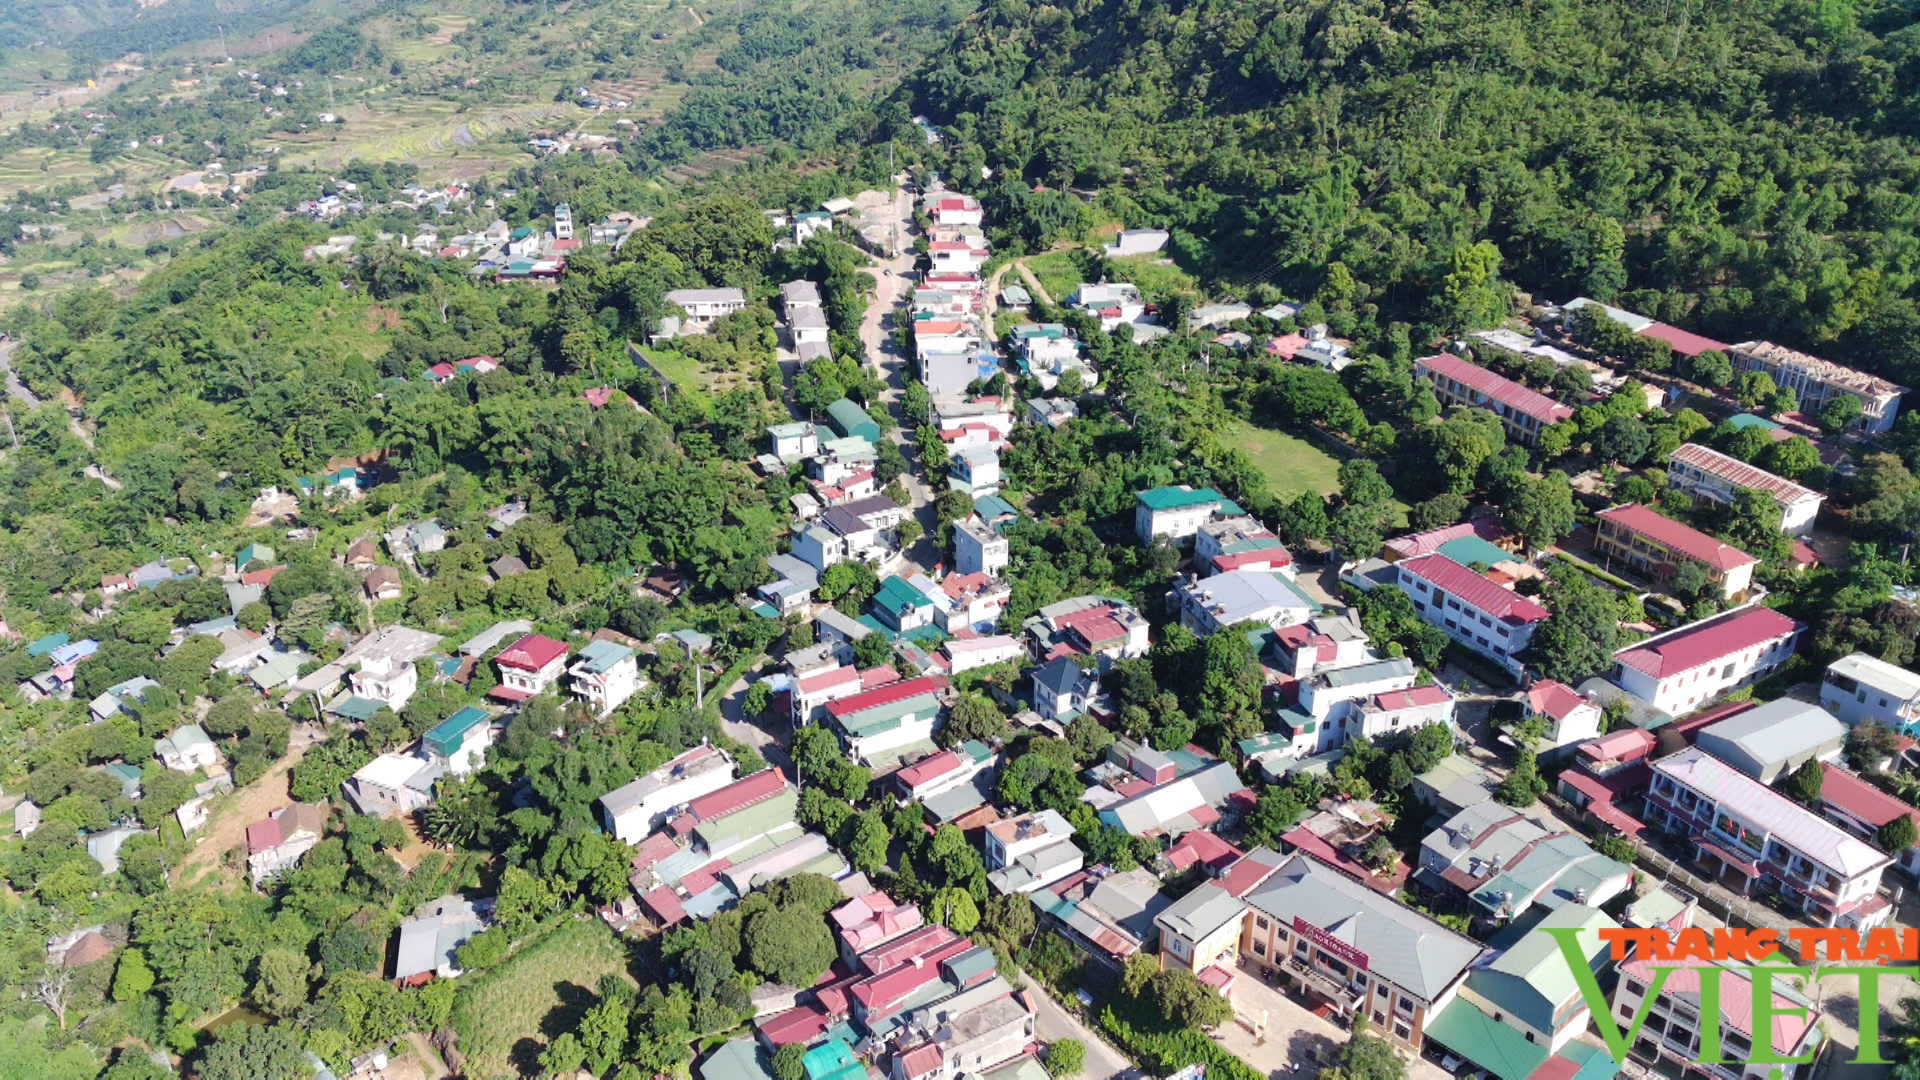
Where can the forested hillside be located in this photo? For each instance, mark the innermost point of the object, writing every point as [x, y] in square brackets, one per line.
[1744, 168]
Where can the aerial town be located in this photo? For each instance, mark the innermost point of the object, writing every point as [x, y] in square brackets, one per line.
[897, 545]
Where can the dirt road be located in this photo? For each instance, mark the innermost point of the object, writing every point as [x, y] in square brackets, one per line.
[232, 814]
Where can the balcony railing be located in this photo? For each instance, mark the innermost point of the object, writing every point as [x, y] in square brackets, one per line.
[1327, 984]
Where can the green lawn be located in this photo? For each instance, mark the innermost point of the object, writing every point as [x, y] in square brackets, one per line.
[1058, 273]
[1292, 465]
[685, 372]
[503, 1015]
[1153, 273]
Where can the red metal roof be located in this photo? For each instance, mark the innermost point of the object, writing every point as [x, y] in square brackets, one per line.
[931, 768]
[1497, 388]
[1708, 642]
[801, 1025]
[886, 695]
[883, 993]
[1619, 745]
[1555, 699]
[1847, 792]
[1676, 537]
[1684, 342]
[1204, 848]
[261, 577]
[920, 1060]
[1413, 697]
[1474, 589]
[831, 677]
[263, 835]
[508, 693]
[1242, 877]
[652, 850]
[665, 905]
[928, 939]
[531, 653]
[759, 787]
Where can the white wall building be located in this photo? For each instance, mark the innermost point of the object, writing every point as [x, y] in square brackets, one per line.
[1678, 671]
[978, 549]
[634, 810]
[1858, 688]
[606, 674]
[1471, 609]
[1709, 474]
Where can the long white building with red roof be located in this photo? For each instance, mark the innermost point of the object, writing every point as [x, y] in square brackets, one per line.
[1681, 670]
[1524, 412]
[1707, 473]
[1470, 607]
[528, 667]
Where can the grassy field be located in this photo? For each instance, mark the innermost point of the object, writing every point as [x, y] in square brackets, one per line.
[684, 372]
[1153, 273]
[1292, 465]
[1058, 273]
[506, 1016]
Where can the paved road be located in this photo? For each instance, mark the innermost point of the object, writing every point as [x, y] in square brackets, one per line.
[876, 334]
[1052, 1023]
[15, 388]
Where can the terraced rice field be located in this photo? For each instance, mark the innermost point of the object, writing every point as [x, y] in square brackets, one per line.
[426, 133]
[37, 167]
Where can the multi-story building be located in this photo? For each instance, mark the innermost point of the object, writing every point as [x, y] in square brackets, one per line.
[1670, 1037]
[1239, 543]
[1062, 689]
[1208, 605]
[1859, 688]
[1201, 932]
[385, 679]
[1680, 670]
[633, 810]
[1176, 512]
[1331, 639]
[1527, 987]
[1815, 382]
[953, 208]
[1331, 703]
[1107, 629]
[881, 724]
[1655, 545]
[529, 666]
[1316, 931]
[972, 601]
[974, 470]
[1569, 717]
[1030, 852]
[978, 548]
[1709, 474]
[706, 306]
[1757, 836]
[900, 607]
[459, 743]
[1504, 862]
[1523, 412]
[1863, 810]
[795, 441]
[606, 674]
[1474, 611]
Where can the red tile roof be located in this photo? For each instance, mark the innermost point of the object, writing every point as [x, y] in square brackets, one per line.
[738, 795]
[1619, 745]
[652, 850]
[886, 695]
[883, 993]
[1426, 543]
[531, 653]
[665, 905]
[1681, 539]
[1708, 642]
[1497, 388]
[801, 1025]
[261, 577]
[921, 1060]
[925, 941]
[1684, 342]
[1553, 699]
[878, 676]
[1242, 877]
[831, 677]
[1850, 793]
[1740, 474]
[1474, 589]
[1736, 1001]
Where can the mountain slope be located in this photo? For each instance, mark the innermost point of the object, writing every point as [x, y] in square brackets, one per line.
[1747, 167]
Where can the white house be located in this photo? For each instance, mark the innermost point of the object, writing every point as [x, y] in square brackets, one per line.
[1062, 689]
[1174, 512]
[953, 208]
[965, 654]
[1474, 611]
[978, 548]
[970, 601]
[808, 325]
[1680, 670]
[1137, 242]
[634, 810]
[1858, 688]
[1569, 717]
[385, 679]
[956, 256]
[1367, 700]
[889, 718]
[605, 674]
[705, 306]
[792, 442]
[187, 750]
[975, 470]
[1030, 852]
[1113, 304]
[529, 666]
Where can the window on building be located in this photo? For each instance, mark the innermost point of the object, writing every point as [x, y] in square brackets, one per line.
[1402, 1032]
[1259, 948]
[1260, 921]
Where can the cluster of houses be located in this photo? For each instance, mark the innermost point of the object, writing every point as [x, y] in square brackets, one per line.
[507, 252]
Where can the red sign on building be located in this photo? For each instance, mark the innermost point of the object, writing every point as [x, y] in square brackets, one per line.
[1331, 944]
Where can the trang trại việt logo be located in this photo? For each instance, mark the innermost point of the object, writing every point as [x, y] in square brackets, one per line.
[1708, 955]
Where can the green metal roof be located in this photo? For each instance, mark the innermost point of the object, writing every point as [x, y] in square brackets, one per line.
[47, 644]
[897, 597]
[833, 1060]
[993, 506]
[448, 734]
[356, 708]
[1485, 1041]
[1171, 498]
[601, 656]
[1260, 744]
[850, 419]
[1531, 980]
[1468, 550]
[741, 1059]
[1747, 420]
